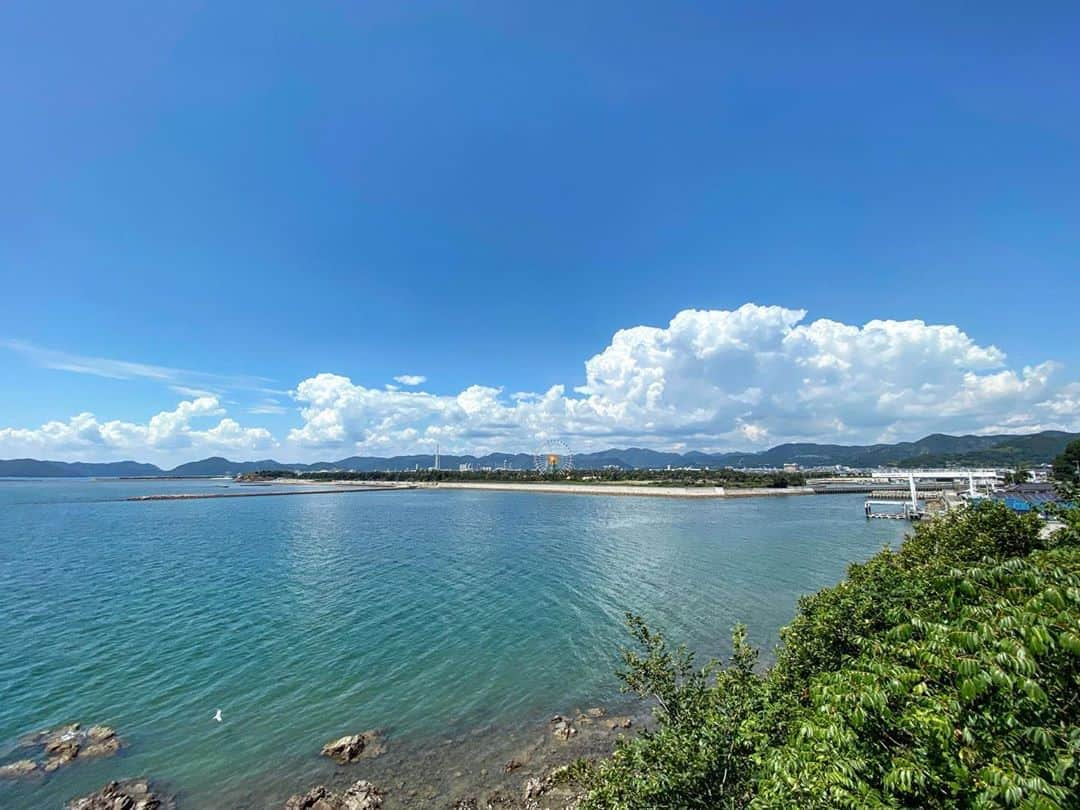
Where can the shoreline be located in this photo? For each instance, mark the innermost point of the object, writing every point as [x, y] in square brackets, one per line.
[306, 487]
[629, 490]
[511, 763]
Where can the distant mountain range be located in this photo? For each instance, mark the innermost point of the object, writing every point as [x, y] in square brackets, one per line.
[932, 451]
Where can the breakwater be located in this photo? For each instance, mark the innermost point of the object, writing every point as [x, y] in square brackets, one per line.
[199, 496]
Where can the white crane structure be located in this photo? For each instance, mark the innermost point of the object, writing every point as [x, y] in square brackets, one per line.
[986, 478]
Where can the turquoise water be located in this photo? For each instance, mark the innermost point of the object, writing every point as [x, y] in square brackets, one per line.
[303, 618]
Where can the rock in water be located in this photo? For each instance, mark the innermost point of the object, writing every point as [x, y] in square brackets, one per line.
[69, 731]
[65, 744]
[60, 752]
[361, 795]
[562, 727]
[100, 734]
[318, 798]
[131, 795]
[62, 748]
[16, 769]
[105, 748]
[353, 747]
[536, 787]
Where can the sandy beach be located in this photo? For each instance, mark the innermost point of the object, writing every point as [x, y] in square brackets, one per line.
[644, 490]
[639, 490]
[307, 487]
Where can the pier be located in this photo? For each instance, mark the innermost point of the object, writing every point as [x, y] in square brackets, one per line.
[886, 494]
[907, 512]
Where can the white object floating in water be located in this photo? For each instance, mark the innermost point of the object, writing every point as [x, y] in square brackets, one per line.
[217, 715]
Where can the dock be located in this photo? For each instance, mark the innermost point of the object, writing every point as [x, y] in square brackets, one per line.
[908, 512]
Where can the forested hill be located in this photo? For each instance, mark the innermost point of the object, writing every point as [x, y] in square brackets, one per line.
[932, 451]
[32, 468]
[935, 450]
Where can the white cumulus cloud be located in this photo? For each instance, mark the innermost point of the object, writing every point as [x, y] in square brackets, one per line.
[86, 437]
[717, 379]
[709, 379]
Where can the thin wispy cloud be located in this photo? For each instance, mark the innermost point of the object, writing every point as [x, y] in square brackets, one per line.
[188, 391]
[410, 379]
[184, 381]
[268, 406]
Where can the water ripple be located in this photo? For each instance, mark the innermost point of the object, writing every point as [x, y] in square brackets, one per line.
[430, 614]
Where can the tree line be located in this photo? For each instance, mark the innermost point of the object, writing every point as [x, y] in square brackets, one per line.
[725, 477]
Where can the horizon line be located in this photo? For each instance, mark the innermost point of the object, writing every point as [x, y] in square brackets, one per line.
[680, 453]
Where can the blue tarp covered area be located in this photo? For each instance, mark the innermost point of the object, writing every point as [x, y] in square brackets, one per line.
[1027, 497]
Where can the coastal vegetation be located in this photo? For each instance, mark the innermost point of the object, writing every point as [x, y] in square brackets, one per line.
[945, 673]
[727, 477]
[1067, 466]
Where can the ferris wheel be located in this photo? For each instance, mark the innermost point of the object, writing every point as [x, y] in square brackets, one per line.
[553, 455]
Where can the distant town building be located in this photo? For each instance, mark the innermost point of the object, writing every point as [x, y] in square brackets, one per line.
[791, 467]
[1041, 474]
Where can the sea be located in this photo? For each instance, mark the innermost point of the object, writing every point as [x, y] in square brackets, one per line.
[456, 623]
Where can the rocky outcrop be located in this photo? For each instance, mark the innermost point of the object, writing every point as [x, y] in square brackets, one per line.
[68, 732]
[62, 745]
[537, 786]
[131, 795]
[100, 741]
[562, 727]
[552, 790]
[499, 799]
[361, 795]
[318, 798]
[355, 746]
[589, 716]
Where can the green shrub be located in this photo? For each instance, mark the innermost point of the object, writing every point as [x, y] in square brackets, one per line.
[945, 674]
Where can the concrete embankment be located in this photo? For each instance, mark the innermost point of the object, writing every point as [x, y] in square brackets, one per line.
[623, 489]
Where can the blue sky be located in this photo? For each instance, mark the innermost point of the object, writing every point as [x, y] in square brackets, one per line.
[240, 199]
